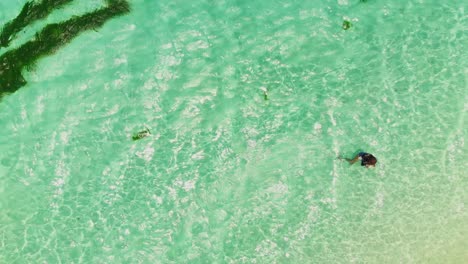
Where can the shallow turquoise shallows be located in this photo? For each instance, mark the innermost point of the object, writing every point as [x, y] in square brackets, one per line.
[249, 104]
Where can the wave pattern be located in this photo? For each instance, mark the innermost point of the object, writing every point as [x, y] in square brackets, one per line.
[248, 104]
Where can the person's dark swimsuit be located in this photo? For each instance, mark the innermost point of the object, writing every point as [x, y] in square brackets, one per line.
[364, 157]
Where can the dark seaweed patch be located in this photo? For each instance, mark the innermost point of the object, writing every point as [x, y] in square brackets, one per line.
[141, 134]
[30, 13]
[49, 40]
[346, 25]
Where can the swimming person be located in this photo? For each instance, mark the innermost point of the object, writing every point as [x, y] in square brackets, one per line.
[367, 160]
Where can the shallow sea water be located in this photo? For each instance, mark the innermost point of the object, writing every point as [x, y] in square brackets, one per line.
[227, 176]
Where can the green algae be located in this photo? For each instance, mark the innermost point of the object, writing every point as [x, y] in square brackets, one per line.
[346, 25]
[141, 134]
[30, 13]
[265, 93]
[50, 39]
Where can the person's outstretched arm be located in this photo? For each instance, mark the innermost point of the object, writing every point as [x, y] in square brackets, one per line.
[352, 161]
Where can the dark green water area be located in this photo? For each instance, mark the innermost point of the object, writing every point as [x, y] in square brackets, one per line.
[49, 39]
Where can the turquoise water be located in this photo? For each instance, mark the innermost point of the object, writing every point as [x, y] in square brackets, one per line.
[227, 176]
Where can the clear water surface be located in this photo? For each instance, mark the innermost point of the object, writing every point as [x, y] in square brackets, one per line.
[227, 176]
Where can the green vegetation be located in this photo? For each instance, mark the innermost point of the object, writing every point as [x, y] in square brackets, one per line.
[346, 25]
[50, 39]
[29, 13]
[265, 93]
[141, 134]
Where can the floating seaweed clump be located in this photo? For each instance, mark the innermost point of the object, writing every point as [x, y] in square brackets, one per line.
[141, 134]
[49, 40]
[346, 25]
[265, 93]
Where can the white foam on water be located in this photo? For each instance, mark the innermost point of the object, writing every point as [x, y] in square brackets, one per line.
[147, 154]
[170, 60]
[197, 45]
[343, 2]
[65, 136]
[279, 188]
[317, 127]
[120, 61]
[166, 46]
[189, 185]
[199, 155]
[113, 110]
[40, 105]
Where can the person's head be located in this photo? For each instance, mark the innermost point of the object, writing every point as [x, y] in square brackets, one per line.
[369, 160]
